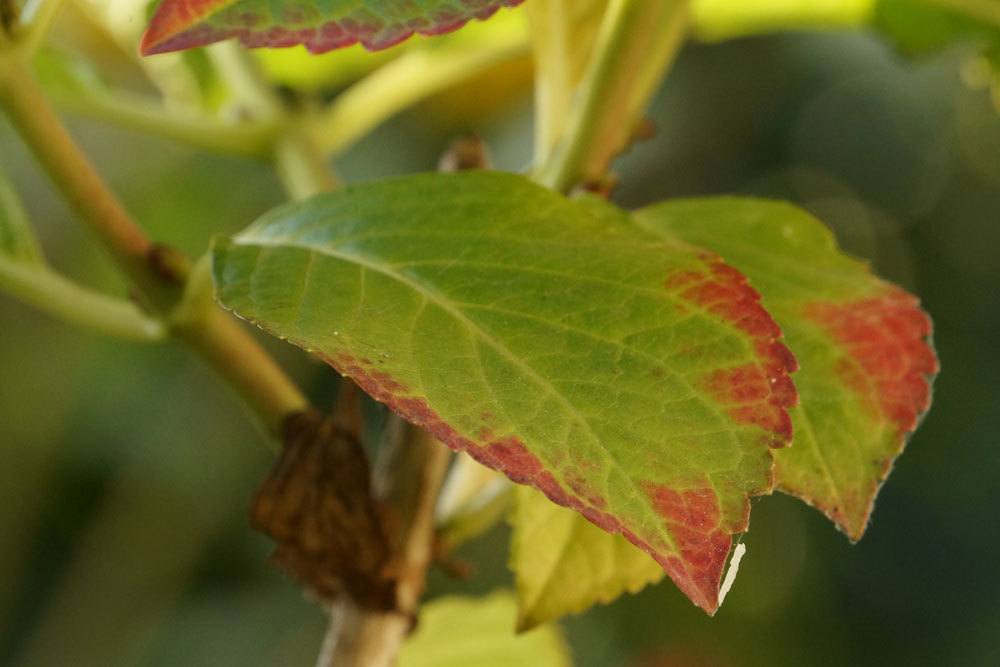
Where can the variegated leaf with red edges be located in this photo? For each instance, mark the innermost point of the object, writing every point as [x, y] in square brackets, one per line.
[319, 25]
[867, 366]
[864, 345]
[632, 378]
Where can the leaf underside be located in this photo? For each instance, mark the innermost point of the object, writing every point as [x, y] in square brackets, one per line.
[867, 365]
[319, 26]
[628, 376]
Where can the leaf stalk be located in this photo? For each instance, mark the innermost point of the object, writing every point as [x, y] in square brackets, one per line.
[635, 47]
[161, 277]
[50, 292]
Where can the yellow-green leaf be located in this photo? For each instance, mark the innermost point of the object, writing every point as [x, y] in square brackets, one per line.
[469, 632]
[564, 565]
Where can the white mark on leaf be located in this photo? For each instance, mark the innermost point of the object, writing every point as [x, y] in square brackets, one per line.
[734, 567]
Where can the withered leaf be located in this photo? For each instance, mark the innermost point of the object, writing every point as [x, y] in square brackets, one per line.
[317, 504]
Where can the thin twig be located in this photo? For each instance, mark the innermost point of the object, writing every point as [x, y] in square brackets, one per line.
[160, 275]
[410, 78]
[50, 292]
[249, 138]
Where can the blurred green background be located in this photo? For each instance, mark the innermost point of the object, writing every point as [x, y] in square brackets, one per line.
[127, 469]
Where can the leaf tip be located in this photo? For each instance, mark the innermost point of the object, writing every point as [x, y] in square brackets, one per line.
[889, 363]
[525, 621]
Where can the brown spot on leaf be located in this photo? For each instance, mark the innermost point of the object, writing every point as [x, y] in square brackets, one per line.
[583, 489]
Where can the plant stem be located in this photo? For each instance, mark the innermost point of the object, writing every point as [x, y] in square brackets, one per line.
[68, 167]
[220, 340]
[48, 291]
[245, 366]
[408, 478]
[302, 167]
[245, 81]
[411, 77]
[411, 464]
[636, 45]
[160, 277]
[563, 35]
[474, 499]
[38, 16]
[247, 138]
[300, 164]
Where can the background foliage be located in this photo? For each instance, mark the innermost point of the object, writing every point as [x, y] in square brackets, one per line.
[123, 539]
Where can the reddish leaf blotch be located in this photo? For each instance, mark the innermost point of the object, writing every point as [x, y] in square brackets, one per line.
[888, 360]
[692, 515]
[694, 519]
[759, 393]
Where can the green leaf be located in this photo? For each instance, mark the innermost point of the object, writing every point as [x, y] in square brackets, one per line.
[914, 25]
[632, 378]
[863, 344]
[716, 20]
[918, 26]
[17, 241]
[320, 26]
[564, 564]
[460, 632]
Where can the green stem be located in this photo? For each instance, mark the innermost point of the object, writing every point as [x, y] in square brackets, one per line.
[37, 16]
[248, 138]
[300, 164]
[69, 168]
[50, 292]
[250, 90]
[162, 277]
[265, 388]
[410, 78]
[563, 34]
[635, 47]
